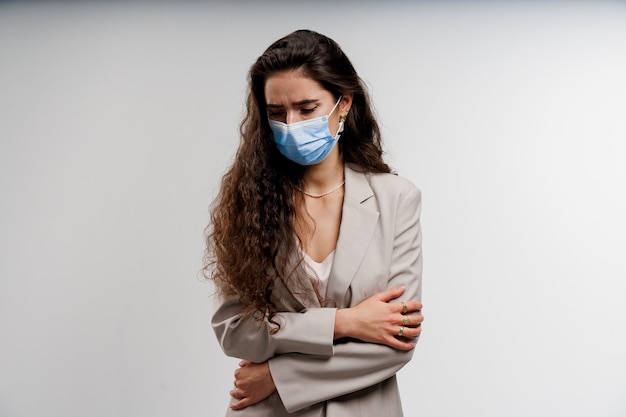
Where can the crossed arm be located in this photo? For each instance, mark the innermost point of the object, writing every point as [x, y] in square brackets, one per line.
[378, 346]
[323, 345]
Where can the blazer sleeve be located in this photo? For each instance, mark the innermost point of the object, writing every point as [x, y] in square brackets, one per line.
[357, 365]
[308, 332]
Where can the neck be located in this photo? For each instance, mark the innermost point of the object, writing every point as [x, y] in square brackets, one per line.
[327, 174]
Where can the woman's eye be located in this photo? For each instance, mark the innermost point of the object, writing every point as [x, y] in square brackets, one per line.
[275, 113]
[308, 110]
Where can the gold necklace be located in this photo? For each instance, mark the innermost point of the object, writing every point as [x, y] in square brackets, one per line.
[322, 194]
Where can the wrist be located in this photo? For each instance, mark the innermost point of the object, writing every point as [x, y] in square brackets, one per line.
[271, 385]
[343, 323]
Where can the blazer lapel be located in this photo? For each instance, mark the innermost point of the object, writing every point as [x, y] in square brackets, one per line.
[358, 221]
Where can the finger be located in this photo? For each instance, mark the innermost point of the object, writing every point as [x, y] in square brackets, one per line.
[409, 333]
[244, 363]
[411, 306]
[237, 394]
[404, 308]
[391, 293]
[241, 404]
[414, 332]
[410, 320]
[240, 372]
[400, 344]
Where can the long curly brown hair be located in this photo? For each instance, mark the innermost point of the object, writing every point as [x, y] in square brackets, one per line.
[251, 240]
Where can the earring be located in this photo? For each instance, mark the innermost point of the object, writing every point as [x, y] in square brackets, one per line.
[342, 117]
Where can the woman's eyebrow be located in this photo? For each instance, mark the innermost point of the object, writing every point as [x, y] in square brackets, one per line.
[301, 102]
[296, 103]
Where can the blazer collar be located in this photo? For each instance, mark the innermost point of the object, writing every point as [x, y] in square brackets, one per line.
[358, 221]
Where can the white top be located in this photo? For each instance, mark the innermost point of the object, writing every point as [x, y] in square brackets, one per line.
[320, 269]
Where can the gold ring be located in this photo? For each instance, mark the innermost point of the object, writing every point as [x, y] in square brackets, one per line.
[404, 308]
[401, 331]
[405, 322]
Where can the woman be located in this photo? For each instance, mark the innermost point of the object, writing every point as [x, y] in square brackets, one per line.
[314, 247]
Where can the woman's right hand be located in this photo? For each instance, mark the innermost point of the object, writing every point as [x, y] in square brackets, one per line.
[378, 319]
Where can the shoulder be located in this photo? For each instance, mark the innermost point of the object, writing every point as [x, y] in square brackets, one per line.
[389, 190]
[386, 189]
[391, 183]
[392, 186]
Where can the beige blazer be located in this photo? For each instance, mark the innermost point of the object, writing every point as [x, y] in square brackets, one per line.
[379, 247]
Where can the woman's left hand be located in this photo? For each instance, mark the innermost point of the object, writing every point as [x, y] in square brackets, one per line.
[253, 384]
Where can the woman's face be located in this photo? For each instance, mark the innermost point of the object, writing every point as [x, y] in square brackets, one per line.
[292, 97]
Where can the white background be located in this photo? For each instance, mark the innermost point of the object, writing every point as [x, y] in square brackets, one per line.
[117, 120]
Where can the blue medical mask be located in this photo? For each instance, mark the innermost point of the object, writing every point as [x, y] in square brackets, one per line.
[307, 142]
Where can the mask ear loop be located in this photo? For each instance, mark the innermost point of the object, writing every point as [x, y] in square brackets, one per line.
[342, 118]
[335, 106]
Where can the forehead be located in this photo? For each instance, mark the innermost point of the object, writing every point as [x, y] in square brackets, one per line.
[292, 86]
